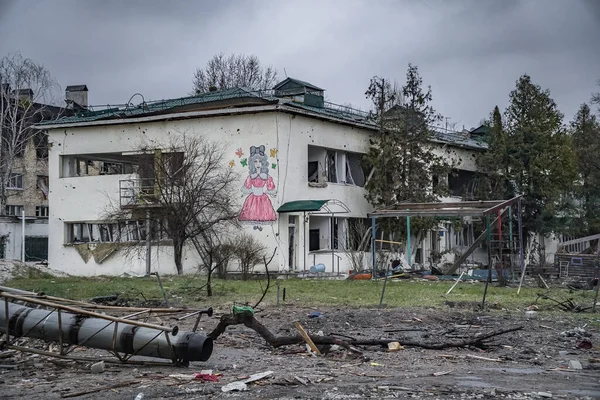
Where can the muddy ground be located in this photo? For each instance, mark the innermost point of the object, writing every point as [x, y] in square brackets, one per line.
[531, 363]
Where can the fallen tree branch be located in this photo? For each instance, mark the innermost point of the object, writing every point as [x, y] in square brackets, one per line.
[249, 321]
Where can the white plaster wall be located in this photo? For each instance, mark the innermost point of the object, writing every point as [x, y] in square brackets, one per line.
[85, 199]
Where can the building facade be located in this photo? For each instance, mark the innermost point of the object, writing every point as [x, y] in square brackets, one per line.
[24, 225]
[310, 149]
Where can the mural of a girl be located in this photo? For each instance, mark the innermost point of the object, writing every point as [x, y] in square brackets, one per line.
[258, 209]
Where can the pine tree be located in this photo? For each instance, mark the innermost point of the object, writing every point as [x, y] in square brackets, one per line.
[541, 161]
[493, 165]
[404, 166]
[585, 130]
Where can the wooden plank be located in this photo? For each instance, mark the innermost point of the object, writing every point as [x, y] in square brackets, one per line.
[307, 338]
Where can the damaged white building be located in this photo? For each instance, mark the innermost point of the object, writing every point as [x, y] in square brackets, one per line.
[312, 148]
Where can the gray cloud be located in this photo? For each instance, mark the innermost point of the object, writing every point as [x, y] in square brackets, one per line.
[470, 52]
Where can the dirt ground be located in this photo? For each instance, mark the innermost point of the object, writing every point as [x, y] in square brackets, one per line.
[531, 363]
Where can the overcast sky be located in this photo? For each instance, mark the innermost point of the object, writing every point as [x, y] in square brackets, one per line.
[470, 51]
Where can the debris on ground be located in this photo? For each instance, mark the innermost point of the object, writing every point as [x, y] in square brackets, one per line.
[356, 360]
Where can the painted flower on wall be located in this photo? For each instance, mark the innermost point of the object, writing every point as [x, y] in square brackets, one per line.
[231, 164]
[273, 153]
[239, 153]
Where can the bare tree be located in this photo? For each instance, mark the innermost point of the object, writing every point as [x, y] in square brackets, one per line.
[249, 251]
[357, 243]
[236, 70]
[215, 250]
[189, 190]
[26, 95]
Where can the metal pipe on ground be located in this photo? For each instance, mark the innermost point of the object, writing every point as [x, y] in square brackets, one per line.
[105, 334]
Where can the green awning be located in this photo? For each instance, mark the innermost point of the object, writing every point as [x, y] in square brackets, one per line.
[301, 206]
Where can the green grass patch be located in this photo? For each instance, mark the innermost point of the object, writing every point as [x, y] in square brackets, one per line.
[188, 290]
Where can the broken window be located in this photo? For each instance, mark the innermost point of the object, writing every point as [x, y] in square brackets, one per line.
[461, 183]
[334, 166]
[40, 141]
[355, 174]
[97, 164]
[330, 162]
[122, 231]
[15, 181]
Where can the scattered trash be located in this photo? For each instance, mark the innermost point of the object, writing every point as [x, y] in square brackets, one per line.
[576, 332]
[207, 377]
[140, 396]
[544, 394]
[574, 364]
[242, 309]
[530, 314]
[584, 344]
[441, 373]
[316, 314]
[302, 381]
[234, 386]
[374, 364]
[395, 346]
[97, 368]
[242, 385]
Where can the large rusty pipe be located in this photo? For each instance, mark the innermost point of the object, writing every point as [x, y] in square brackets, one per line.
[107, 333]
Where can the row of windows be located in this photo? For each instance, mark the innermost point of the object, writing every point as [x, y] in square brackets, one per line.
[17, 210]
[117, 232]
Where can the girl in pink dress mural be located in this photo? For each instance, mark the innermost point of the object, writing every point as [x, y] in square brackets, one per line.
[259, 185]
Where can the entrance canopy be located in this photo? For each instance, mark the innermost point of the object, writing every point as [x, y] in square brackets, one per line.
[314, 206]
[456, 209]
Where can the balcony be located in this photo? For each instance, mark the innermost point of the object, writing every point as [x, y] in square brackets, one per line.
[138, 193]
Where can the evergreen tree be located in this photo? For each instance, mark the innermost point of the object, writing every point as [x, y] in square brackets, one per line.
[539, 154]
[585, 130]
[493, 165]
[404, 166]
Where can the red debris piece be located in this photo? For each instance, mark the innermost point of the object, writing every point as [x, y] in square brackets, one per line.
[207, 377]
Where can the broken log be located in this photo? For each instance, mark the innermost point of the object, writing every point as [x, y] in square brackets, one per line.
[247, 319]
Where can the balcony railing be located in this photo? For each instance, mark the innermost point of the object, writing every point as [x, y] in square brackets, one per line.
[138, 193]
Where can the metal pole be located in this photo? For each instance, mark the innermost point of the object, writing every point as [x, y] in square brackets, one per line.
[23, 235]
[501, 269]
[304, 252]
[373, 249]
[408, 250]
[520, 227]
[489, 277]
[510, 228]
[332, 243]
[597, 276]
[148, 243]
[278, 287]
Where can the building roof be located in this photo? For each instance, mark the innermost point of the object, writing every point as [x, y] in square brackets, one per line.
[237, 98]
[299, 83]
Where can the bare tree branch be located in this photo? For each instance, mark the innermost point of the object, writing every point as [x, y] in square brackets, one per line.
[236, 70]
